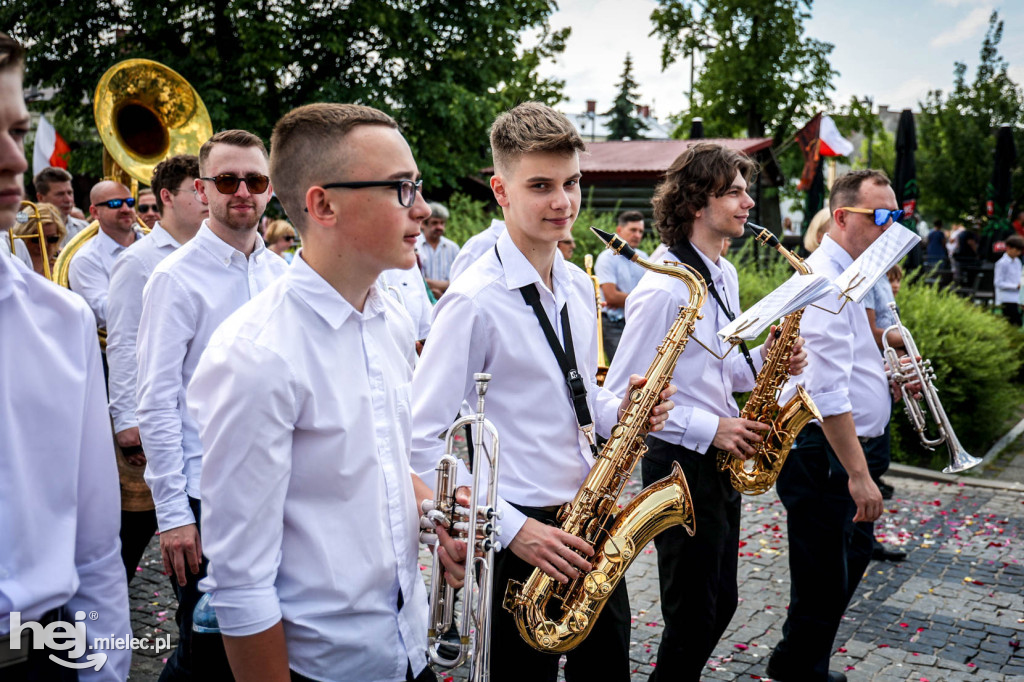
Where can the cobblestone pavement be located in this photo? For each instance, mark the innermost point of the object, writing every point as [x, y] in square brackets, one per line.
[954, 610]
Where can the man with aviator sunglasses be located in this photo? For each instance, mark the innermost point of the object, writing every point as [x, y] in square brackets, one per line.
[89, 275]
[189, 294]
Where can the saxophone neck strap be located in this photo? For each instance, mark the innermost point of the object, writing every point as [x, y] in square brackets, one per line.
[566, 358]
[688, 255]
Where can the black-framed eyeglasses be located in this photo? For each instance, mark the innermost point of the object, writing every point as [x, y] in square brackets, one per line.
[146, 208]
[227, 183]
[406, 189]
[881, 215]
[117, 203]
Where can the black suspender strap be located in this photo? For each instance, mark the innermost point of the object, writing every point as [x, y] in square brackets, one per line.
[684, 250]
[566, 358]
[566, 361]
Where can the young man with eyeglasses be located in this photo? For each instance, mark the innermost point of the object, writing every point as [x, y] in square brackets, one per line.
[826, 484]
[303, 403]
[89, 274]
[173, 189]
[188, 295]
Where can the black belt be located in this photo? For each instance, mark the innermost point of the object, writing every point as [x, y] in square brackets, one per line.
[9, 656]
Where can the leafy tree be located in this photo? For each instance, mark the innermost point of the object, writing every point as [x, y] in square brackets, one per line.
[760, 73]
[444, 71]
[624, 123]
[957, 133]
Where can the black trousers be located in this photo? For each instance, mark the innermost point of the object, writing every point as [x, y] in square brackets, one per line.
[828, 553]
[697, 574]
[603, 655]
[137, 529]
[180, 663]
[1011, 311]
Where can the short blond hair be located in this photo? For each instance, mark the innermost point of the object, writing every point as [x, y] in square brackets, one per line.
[48, 215]
[277, 229]
[531, 127]
[303, 149]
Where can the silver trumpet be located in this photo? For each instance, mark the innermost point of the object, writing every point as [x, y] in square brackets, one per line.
[913, 371]
[480, 524]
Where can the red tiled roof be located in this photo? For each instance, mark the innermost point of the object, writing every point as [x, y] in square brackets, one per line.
[652, 156]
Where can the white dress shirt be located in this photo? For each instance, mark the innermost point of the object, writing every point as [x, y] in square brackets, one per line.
[1007, 279]
[20, 250]
[705, 384]
[124, 309]
[74, 226]
[89, 273]
[309, 514]
[612, 268]
[437, 263]
[411, 291]
[844, 369]
[475, 247]
[482, 324]
[188, 295]
[59, 501]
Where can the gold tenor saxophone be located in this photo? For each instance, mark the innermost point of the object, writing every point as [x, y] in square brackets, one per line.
[757, 475]
[602, 358]
[552, 617]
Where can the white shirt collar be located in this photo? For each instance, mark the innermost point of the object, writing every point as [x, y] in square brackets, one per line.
[220, 249]
[109, 245]
[831, 248]
[519, 272]
[161, 237]
[330, 305]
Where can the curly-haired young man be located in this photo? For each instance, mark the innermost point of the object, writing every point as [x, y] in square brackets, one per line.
[702, 202]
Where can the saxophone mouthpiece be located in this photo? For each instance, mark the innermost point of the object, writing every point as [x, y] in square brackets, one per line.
[763, 235]
[615, 243]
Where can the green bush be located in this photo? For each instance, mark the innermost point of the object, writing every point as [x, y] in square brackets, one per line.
[976, 357]
[468, 217]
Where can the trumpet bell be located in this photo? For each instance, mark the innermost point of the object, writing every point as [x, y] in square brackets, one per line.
[146, 112]
[961, 460]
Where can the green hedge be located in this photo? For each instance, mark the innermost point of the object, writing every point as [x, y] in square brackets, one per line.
[976, 355]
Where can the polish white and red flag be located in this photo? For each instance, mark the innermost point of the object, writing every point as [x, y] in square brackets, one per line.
[51, 149]
[832, 142]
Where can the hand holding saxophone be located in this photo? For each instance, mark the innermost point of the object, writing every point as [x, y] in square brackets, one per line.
[738, 436]
[797, 356]
[552, 550]
[660, 412]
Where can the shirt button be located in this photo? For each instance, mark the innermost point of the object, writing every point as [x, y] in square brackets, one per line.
[227, 261]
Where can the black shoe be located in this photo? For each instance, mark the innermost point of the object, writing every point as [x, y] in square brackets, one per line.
[779, 676]
[880, 553]
[886, 490]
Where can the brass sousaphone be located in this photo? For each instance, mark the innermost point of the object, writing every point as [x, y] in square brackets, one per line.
[145, 112]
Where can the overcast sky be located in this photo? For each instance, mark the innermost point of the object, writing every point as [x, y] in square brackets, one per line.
[894, 52]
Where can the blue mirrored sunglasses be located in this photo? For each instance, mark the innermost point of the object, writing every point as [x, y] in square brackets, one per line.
[882, 215]
[116, 203]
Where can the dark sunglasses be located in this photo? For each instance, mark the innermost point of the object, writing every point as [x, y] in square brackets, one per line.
[406, 189]
[52, 239]
[882, 215]
[146, 208]
[289, 237]
[117, 203]
[227, 183]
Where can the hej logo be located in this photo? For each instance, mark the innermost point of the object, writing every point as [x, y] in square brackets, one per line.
[57, 636]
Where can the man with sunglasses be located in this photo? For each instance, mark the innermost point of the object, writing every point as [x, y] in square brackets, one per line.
[174, 193]
[188, 295]
[826, 484]
[147, 208]
[112, 206]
